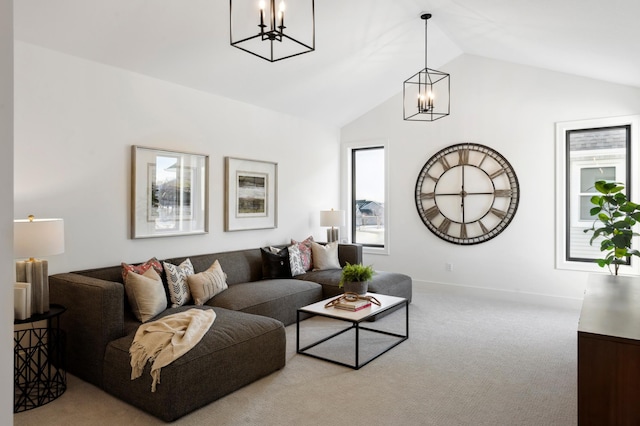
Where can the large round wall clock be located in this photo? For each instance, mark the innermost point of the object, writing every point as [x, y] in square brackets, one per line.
[467, 193]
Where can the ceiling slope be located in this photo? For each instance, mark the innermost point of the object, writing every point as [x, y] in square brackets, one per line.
[365, 49]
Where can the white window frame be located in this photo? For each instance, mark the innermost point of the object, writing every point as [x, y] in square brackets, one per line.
[577, 167]
[347, 149]
[561, 189]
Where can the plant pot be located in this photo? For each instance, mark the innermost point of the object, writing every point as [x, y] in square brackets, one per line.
[359, 287]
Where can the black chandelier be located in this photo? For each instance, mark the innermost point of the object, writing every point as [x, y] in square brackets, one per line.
[426, 94]
[258, 27]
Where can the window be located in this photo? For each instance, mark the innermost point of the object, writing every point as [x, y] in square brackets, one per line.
[367, 195]
[592, 155]
[589, 151]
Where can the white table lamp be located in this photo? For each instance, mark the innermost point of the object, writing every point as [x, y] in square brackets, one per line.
[335, 219]
[34, 238]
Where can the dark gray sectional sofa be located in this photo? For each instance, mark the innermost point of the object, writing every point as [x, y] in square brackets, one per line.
[246, 342]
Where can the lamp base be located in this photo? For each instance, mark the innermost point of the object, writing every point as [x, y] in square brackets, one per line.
[333, 234]
[35, 272]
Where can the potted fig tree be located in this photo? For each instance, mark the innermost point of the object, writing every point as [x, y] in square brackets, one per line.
[615, 218]
[355, 278]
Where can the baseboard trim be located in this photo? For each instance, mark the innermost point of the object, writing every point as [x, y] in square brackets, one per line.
[501, 294]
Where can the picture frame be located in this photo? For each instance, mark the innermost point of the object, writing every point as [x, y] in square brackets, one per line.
[169, 193]
[251, 194]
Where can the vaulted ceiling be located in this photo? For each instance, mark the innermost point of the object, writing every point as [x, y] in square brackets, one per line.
[365, 49]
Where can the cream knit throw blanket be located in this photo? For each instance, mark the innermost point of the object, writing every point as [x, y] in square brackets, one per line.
[163, 341]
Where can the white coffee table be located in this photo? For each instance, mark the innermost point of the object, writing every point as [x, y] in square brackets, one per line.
[355, 319]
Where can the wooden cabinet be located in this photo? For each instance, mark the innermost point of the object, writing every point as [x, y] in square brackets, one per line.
[609, 352]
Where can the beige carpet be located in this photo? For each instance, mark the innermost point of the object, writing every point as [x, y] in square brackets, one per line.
[471, 359]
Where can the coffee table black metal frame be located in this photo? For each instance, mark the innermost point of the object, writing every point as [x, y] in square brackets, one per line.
[356, 319]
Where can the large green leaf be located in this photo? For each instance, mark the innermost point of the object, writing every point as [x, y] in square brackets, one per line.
[617, 188]
[606, 245]
[621, 240]
[627, 207]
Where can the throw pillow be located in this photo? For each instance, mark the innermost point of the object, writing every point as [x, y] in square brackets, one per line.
[325, 256]
[177, 282]
[145, 294]
[295, 260]
[141, 268]
[206, 284]
[305, 252]
[275, 263]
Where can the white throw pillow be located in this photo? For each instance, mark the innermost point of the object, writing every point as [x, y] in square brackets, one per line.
[206, 284]
[177, 282]
[325, 256]
[145, 294]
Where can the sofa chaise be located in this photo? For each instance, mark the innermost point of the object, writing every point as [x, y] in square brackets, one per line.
[245, 343]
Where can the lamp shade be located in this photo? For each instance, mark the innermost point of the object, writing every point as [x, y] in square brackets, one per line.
[37, 237]
[332, 218]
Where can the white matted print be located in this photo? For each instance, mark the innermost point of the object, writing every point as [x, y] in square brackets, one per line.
[250, 194]
[169, 194]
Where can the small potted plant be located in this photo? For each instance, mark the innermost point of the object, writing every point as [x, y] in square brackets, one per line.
[355, 278]
[615, 216]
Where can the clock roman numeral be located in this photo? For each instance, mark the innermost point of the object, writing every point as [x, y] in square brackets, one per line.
[444, 226]
[484, 228]
[500, 213]
[463, 230]
[445, 163]
[484, 157]
[432, 212]
[463, 156]
[435, 179]
[502, 193]
[496, 173]
[427, 195]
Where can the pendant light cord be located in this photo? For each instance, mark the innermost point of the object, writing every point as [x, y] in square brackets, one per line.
[425, 42]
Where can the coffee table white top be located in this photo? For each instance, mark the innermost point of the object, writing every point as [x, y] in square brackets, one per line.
[386, 302]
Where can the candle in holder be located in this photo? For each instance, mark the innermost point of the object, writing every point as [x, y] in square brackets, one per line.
[262, 16]
[282, 7]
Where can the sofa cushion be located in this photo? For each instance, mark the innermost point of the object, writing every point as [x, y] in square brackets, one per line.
[177, 282]
[204, 285]
[223, 361]
[275, 263]
[389, 283]
[295, 260]
[305, 252]
[325, 256]
[240, 266]
[141, 268]
[145, 294]
[277, 298]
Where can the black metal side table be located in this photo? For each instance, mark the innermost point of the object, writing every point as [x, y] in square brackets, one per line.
[39, 367]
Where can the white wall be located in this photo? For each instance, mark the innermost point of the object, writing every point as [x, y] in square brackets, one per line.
[75, 122]
[512, 109]
[6, 211]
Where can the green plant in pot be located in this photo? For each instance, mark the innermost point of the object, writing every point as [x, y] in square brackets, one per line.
[615, 218]
[355, 278]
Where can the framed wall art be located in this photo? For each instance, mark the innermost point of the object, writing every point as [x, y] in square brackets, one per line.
[251, 194]
[169, 193]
